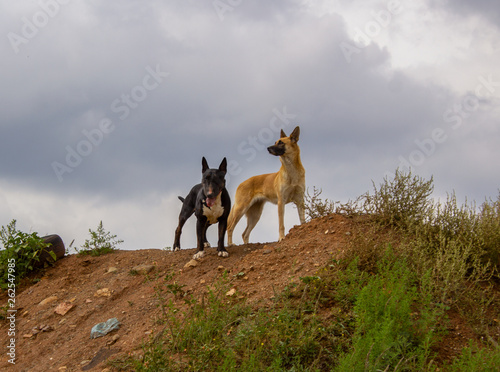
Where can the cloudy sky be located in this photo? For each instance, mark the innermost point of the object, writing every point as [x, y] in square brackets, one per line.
[108, 107]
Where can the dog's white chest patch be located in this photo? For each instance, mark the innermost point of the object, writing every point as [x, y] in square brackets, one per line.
[214, 212]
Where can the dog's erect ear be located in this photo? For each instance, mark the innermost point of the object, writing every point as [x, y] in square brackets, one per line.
[295, 134]
[204, 165]
[283, 135]
[223, 166]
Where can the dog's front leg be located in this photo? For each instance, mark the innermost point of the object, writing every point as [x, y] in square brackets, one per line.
[222, 232]
[201, 228]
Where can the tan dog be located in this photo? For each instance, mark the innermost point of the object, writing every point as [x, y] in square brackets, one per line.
[285, 186]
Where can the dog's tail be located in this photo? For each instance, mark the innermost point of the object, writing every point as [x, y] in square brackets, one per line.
[181, 198]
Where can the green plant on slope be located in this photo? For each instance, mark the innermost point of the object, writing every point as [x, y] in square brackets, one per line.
[401, 201]
[101, 242]
[387, 335]
[315, 207]
[21, 253]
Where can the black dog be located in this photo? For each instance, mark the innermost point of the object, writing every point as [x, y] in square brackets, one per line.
[210, 203]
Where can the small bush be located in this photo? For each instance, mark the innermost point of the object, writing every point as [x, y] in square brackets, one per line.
[314, 206]
[101, 242]
[401, 202]
[21, 251]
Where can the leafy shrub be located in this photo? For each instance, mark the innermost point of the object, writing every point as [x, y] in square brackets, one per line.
[402, 201]
[101, 242]
[22, 248]
[458, 243]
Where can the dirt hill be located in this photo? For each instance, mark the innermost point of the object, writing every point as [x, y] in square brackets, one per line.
[95, 289]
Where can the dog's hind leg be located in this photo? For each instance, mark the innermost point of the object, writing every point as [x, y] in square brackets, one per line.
[186, 212]
[234, 217]
[253, 215]
[178, 232]
[301, 210]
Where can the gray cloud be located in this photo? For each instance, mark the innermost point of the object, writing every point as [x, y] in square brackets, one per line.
[486, 8]
[231, 81]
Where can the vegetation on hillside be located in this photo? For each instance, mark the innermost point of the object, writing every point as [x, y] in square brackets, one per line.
[382, 307]
[100, 242]
[20, 254]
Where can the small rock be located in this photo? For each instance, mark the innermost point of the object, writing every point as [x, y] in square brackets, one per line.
[202, 281]
[231, 292]
[267, 251]
[48, 300]
[111, 270]
[28, 335]
[192, 263]
[88, 301]
[46, 328]
[143, 269]
[63, 308]
[220, 268]
[41, 328]
[326, 232]
[113, 340]
[103, 292]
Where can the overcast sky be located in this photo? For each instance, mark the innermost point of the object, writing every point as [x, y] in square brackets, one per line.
[108, 107]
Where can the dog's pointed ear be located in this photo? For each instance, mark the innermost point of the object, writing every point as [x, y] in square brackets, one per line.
[223, 166]
[283, 135]
[204, 165]
[295, 134]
